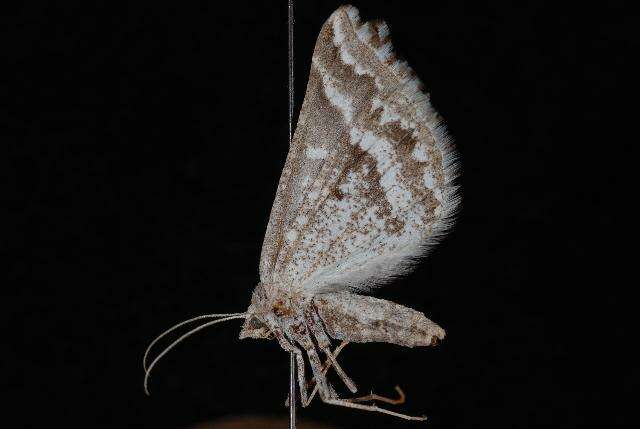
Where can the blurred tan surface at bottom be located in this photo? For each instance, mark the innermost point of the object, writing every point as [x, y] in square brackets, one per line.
[258, 423]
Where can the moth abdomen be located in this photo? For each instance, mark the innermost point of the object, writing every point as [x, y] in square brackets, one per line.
[358, 318]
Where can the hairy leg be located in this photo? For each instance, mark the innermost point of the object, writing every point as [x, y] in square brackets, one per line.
[343, 376]
[302, 382]
[314, 324]
[346, 403]
[304, 339]
[325, 368]
[373, 397]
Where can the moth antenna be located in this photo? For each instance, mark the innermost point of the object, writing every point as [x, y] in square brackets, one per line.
[179, 340]
[173, 328]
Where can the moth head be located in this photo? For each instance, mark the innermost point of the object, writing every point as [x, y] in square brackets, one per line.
[256, 325]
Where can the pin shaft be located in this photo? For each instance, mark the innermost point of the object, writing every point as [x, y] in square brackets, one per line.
[292, 361]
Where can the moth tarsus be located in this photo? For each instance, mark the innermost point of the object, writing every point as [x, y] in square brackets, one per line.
[374, 397]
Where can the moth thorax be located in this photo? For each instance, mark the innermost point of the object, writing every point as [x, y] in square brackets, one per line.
[282, 308]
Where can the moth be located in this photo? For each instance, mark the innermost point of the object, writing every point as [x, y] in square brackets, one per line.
[367, 189]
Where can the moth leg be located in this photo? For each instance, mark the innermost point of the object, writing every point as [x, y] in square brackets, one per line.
[343, 376]
[315, 326]
[326, 391]
[373, 397]
[302, 381]
[325, 368]
[374, 408]
[336, 352]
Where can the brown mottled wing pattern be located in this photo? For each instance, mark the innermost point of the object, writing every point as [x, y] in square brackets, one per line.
[367, 185]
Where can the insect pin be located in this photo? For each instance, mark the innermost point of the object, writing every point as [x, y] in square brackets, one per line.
[367, 189]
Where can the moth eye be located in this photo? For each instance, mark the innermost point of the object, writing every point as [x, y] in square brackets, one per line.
[254, 324]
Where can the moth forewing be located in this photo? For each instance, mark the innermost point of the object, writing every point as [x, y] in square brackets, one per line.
[362, 319]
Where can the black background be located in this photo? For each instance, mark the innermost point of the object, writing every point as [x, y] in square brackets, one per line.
[145, 142]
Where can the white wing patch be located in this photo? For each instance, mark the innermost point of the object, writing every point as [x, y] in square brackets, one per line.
[367, 186]
[316, 153]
